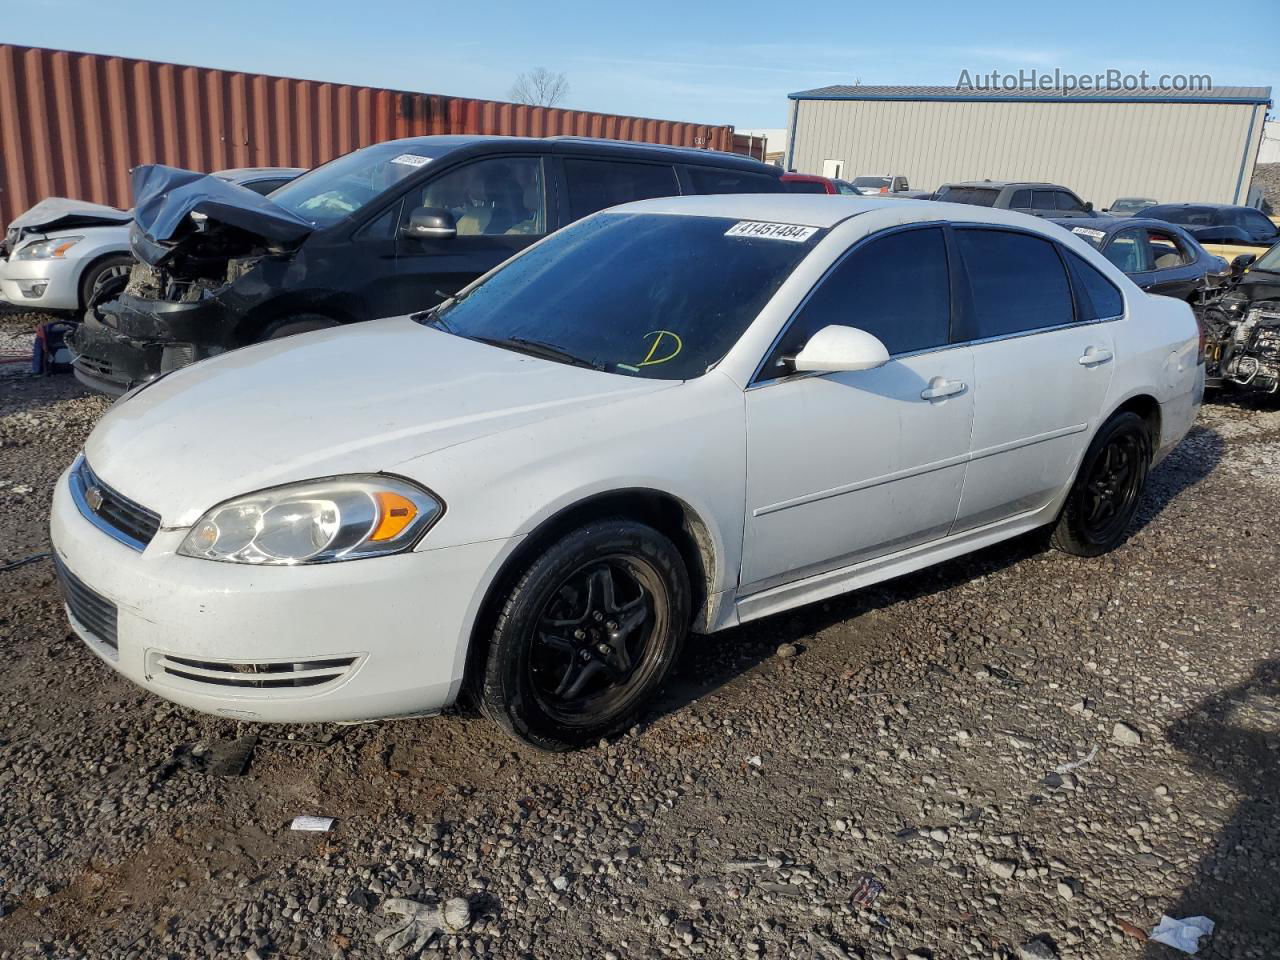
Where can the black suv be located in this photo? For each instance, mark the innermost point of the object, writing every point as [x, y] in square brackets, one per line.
[1037, 199]
[388, 229]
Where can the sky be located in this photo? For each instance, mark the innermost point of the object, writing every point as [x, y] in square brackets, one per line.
[704, 62]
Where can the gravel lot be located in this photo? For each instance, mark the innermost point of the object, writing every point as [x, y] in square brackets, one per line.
[919, 732]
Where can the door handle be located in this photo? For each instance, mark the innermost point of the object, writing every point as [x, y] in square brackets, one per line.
[1095, 356]
[940, 388]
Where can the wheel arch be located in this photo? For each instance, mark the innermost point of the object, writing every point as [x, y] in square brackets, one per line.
[90, 264]
[665, 512]
[1147, 407]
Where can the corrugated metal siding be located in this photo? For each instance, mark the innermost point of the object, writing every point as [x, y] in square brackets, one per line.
[1171, 151]
[74, 124]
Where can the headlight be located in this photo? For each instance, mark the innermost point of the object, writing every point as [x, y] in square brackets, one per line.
[319, 521]
[54, 249]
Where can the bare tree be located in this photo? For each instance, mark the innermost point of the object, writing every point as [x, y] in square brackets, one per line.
[540, 88]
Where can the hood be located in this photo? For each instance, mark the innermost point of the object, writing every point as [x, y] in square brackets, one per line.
[166, 197]
[357, 399]
[63, 213]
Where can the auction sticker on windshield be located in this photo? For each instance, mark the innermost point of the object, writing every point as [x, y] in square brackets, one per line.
[411, 160]
[792, 232]
[1085, 231]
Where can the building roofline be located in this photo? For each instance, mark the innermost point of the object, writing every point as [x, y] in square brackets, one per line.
[1046, 97]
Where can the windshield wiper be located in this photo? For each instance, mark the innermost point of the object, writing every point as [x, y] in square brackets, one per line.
[536, 348]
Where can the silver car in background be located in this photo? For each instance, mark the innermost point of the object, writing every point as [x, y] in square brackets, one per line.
[59, 253]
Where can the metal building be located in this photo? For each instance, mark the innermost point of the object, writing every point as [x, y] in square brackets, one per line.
[1193, 146]
[73, 124]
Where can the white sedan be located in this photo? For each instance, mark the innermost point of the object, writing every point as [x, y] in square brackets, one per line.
[674, 416]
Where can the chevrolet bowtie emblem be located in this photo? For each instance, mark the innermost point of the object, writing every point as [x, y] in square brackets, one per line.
[94, 497]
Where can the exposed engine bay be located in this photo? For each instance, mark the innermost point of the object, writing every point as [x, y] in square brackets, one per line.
[1242, 343]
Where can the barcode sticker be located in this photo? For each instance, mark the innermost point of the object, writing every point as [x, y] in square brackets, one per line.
[791, 232]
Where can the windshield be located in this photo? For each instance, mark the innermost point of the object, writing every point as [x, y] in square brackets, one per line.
[870, 181]
[644, 295]
[977, 196]
[1131, 206]
[341, 187]
[1269, 261]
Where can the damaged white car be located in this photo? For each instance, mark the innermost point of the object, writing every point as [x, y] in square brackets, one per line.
[671, 417]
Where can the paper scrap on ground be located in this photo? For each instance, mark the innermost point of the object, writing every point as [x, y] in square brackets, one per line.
[320, 824]
[1183, 934]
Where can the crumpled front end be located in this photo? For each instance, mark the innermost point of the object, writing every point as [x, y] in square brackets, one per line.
[208, 253]
[159, 324]
[1242, 344]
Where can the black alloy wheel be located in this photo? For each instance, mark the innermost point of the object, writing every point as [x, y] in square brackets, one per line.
[1105, 496]
[586, 635]
[591, 646]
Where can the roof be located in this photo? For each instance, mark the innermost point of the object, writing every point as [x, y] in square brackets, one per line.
[1105, 224]
[437, 146]
[1202, 206]
[845, 91]
[999, 184]
[809, 209]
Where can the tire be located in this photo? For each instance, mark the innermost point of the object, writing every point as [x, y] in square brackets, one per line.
[1107, 488]
[571, 660]
[298, 323]
[101, 272]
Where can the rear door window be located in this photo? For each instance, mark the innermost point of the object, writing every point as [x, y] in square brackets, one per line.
[595, 184]
[1043, 200]
[896, 287]
[1021, 200]
[713, 180]
[1128, 251]
[1016, 281]
[1096, 297]
[1166, 250]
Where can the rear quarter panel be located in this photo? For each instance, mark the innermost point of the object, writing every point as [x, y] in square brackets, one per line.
[1156, 355]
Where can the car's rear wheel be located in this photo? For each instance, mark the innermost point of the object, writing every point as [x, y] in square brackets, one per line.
[586, 635]
[1107, 488]
[105, 271]
[298, 323]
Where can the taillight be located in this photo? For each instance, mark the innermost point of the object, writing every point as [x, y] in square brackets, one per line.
[884, 189]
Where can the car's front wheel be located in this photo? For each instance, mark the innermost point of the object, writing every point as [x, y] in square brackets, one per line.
[1107, 489]
[586, 635]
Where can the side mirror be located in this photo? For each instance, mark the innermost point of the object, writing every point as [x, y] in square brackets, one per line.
[430, 223]
[1088, 207]
[838, 348]
[1241, 263]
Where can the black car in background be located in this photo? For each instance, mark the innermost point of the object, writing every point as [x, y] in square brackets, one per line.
[1218, 222]
[389, 229]
[1158, 256]
[1037, 199]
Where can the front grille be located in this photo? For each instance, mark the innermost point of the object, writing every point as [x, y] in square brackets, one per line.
[110, 511]
[256, 675]
[91, 610]
[94, 366]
